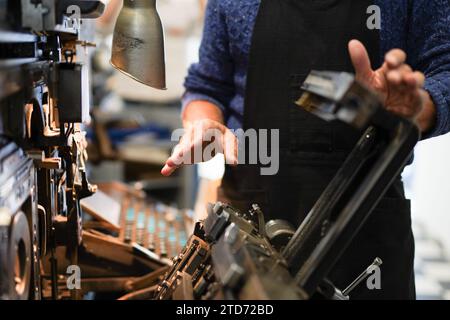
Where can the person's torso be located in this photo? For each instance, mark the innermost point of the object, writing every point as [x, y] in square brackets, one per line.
[240, 17]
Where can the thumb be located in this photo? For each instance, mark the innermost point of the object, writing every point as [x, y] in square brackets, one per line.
[360, 59]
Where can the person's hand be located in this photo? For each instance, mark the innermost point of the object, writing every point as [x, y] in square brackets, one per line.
[400, 87]
[201, 141]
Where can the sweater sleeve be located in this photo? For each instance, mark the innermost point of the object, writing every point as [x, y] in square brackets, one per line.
[429, 51]
[211, 79]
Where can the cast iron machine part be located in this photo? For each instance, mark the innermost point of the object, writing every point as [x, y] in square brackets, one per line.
[228, 258]
[41, 104]
[18, 244]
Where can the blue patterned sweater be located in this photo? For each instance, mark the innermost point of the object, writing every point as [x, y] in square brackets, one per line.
[420, 27]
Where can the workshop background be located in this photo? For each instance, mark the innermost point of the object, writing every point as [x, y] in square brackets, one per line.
[132, 124]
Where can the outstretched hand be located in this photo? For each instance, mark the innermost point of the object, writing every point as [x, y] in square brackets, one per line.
[400, 87]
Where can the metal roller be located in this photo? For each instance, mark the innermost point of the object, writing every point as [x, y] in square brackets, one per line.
[15, 256]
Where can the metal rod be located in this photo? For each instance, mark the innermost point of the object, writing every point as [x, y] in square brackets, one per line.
[376, 263]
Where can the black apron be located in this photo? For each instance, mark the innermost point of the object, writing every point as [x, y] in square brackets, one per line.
[290, 38]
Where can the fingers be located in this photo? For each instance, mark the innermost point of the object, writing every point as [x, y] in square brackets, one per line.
[168, 170]
[405, 91]
[175, 160]
[398, 84]
[230, 148]
[412, 105]
[395, 58]
[404, 85]
[415, 79]
[201, 142]
[404, 79]
[360, 59]
[400, 75]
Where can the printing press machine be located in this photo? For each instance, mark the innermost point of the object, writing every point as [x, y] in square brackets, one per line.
[129, 246]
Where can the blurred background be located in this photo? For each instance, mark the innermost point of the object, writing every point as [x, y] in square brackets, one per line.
[132, 124]
[427, 183]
